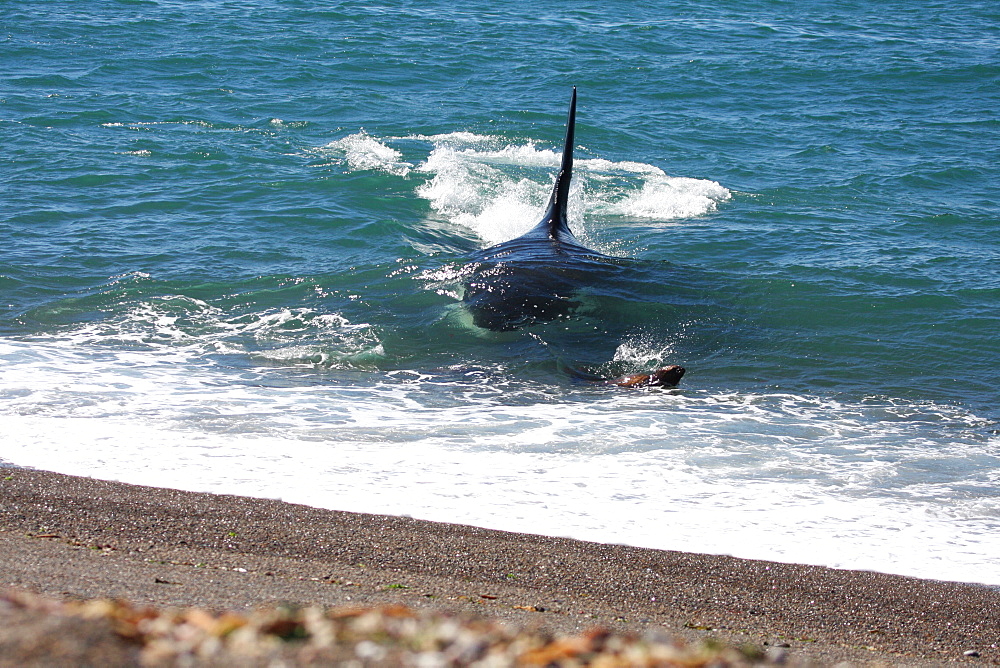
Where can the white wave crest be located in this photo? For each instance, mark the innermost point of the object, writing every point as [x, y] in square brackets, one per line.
[364, 152]
[470, 188]
[663, 197]
[498, 188]
[499, 191]
[286, 336]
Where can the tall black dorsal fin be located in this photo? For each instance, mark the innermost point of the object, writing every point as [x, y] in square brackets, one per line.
[555, 215]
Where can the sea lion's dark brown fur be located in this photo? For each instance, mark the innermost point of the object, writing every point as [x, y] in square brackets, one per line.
[668, 376]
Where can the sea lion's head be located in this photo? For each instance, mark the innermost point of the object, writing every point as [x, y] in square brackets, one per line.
[668, 376]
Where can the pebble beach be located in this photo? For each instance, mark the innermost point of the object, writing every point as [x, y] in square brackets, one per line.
[148, 576]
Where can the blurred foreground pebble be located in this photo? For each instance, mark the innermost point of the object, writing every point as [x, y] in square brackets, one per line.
[36, 630]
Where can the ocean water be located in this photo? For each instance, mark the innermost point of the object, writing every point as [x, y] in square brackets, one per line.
[234, 236]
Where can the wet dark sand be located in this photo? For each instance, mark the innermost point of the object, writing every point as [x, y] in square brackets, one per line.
[73, 537]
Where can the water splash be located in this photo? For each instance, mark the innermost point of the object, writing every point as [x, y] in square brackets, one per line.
[364, 152]
[497, 188]
[499, 192]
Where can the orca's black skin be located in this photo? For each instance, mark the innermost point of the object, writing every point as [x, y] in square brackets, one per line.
[532, 278]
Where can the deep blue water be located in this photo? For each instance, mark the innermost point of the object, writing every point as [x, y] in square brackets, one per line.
[246, 224]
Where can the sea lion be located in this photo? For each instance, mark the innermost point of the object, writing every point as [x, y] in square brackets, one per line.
[668, 376]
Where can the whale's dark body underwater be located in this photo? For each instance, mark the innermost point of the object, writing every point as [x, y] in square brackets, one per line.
[536, 277]
[539, 276]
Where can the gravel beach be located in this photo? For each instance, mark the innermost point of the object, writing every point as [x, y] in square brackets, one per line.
[75, 539]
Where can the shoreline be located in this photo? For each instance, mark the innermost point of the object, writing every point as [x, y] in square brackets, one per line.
[80, 538]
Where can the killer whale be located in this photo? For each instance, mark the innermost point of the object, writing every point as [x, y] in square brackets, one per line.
[536, 277]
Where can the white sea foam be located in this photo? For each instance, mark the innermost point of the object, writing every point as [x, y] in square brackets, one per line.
[364, 152]
[499, 192]
[498, 189]
[666, 198]
[779, 477]
[176, 324]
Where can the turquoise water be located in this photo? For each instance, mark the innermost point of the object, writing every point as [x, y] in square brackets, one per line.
[235, 236]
